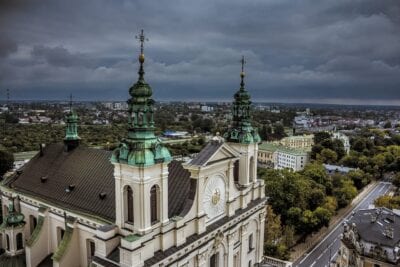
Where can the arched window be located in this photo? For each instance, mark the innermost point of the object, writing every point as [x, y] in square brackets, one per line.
[236, 171]
[8, 242]
[90, 249]
[154, 203]
[251, 168]
[20, 242]
[60, 235]
[32, 222]
[129, 205]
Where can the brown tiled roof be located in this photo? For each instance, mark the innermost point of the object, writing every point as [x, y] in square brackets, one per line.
[91, 173]
[88, 170]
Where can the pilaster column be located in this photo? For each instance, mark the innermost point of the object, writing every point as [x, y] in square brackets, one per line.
[202, 259]
[244, 244]
[231, 243]
[260, 234]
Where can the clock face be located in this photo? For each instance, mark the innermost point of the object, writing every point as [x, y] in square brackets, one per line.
[214, 197]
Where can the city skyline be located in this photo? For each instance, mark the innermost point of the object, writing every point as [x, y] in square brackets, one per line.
[305, 52]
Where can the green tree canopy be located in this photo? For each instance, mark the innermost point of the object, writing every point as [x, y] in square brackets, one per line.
[6, 161]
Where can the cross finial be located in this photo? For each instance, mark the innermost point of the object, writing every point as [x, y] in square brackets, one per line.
[242, 73]
[243, 62]
[142, 38]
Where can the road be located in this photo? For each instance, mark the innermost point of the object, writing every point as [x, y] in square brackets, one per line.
[328, 248]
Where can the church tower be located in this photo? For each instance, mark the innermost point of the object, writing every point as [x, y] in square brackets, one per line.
[141, 163]
[13, 230]
[243, 136]
[71, 139]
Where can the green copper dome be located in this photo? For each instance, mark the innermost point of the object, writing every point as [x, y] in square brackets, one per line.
[241, 130]
[13, 218]
[141, 90]
[141, 147]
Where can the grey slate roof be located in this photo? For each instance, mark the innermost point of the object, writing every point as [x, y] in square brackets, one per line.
[181, 190]
[206, 153]
[91, 172]
[373, 232]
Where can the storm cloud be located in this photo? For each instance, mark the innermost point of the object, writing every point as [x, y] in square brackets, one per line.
[296, 51]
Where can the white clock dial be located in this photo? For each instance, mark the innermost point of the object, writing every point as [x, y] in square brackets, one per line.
[214, 197]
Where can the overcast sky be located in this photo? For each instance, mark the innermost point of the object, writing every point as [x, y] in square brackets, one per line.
[336, 51]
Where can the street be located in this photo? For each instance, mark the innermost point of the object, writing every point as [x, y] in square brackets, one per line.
[328, 248]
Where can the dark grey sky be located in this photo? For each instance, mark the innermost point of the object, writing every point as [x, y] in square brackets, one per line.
[335, 51]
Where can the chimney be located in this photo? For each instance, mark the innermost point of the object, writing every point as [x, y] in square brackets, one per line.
[373, 217]
[389, 232]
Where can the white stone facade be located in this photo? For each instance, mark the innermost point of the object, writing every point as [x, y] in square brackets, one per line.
[232, 236]
[291, 160]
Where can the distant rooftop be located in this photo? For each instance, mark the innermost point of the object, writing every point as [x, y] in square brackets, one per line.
[276, 147]
[337, 168]
[372, 226]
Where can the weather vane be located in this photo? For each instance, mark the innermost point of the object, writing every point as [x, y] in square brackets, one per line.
[142, 38]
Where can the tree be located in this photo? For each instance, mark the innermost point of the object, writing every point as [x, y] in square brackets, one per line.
[379, 164]
[389, 202]
[317, 197]
[321, 136]
[293, 217]
[308, 221]
[6, 161]
[316, 172]
[338, 147]
[279, 131]
[330, 204]
[387, 125]
[266, 132]
[359, 178]
[343, 189]
[323, 215]
[359, 144]
[328, 156]
[396, 180]
[288, 235]
[273, 228]
[316, 150]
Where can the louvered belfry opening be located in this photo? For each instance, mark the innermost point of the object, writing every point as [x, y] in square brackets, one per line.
[154, 202]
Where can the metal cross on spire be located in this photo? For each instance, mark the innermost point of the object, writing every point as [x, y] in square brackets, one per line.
[142, 38]
[243, 62]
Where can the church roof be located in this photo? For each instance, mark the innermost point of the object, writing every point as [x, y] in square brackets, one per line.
[12, 261]
[206, 153]
[82, 180]
[73, 180]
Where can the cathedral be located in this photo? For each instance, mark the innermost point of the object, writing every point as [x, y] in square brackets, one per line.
[73, 206]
